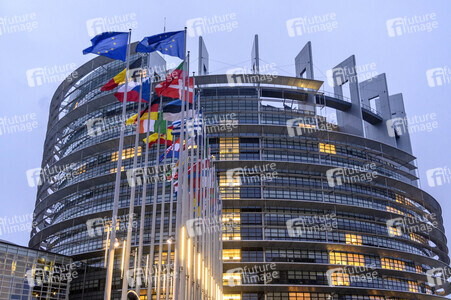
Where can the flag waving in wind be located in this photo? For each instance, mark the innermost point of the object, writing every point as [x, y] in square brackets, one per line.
[120, 78]
[173, 85]
[109, 44]
[170, 43]
[133, 91]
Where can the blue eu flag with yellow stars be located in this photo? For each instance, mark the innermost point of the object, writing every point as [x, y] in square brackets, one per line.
[109, 44]
[170, 43]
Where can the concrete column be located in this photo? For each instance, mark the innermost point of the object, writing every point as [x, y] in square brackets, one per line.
[376, 88]
[304, 67]
[203, 58]
[350, 121]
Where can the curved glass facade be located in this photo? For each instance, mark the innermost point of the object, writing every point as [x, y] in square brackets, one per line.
[288, 232]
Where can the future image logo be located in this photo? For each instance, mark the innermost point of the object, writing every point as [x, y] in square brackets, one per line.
[18, 23]
[308, 25]
[54, 74]
[407, 25]
[438, 176]
[340, 75]
[122, 23]
[438, 76]
[208, 25]
[340, 176]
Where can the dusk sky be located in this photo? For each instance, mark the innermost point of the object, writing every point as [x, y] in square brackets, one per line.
[52, 34]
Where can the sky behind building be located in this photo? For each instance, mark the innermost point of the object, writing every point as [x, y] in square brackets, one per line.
[42, 42]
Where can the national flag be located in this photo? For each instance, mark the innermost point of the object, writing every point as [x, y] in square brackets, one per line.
[133, 91]
[160, 125]
[191, 126]
[173, 110]
[169, 151]
[145, 113]
[170, 43]
[173, 85]
[120, 78]
[153, 139]
[109, 44]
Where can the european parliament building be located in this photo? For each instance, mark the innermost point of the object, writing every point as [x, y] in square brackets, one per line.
[315, 205]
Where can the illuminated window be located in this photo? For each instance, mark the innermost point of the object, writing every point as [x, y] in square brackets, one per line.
[403, 200]
[232, 235]
[419, 269]
[232, 297]
[115, 169]
[231, 279]
[353, 239]
[229, 181]
[327, 148]
[393, 264]
[413, 286]
[229, 149]
[394, 231]
[343, 258]
[393, 210]
[231, 254]
[80, 170]
[230, 186]
[127, 153]
[340, 279]
[417, 238]
[231, 216]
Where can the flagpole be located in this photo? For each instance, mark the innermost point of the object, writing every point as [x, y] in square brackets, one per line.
[177, 259]
[170, 240]
[187, 202]
[144, 193]
[131, 209]
[163, 203]
[109, 273]
[154, 202]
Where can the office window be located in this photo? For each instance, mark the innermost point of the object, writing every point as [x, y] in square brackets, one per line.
[340, 279]
[343, 258]
[353, 239]
[127, 153]
[231, 254]
[327, 148]
[393, 264]
[229, 149]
